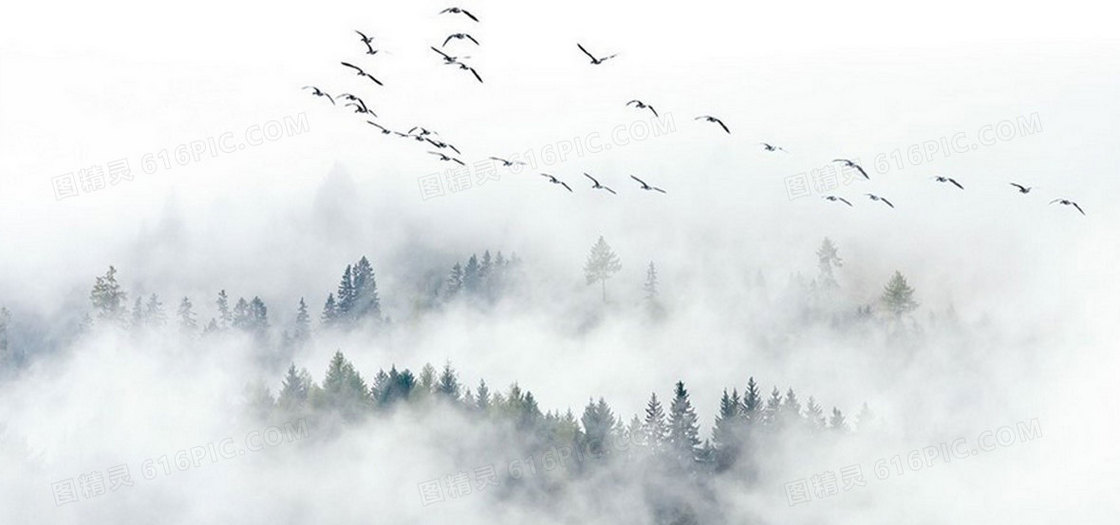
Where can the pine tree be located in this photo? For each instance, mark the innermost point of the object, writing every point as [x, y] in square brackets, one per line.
[684, 427]
[302, 330]
[485, 266]
[655, 427]
[598, 421]
[428, 377]
[454, 281]
[448, 385]
[293, 391]
[187, 322]
[483, 397]
[138, 319]
[108, 297]
[725, 433]
[346, 293]
[752, 401]
[242, 319]
[330, 311]
[344, 389]
[366, 303]
[153, 312]
[898, 296]
[225, 318]
[791, 407]
[837, 422]
[828, 260]
[773, 407]
[472, 276]
[601, 264]
[815, 414]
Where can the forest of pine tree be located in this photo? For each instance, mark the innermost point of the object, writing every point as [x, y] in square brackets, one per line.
[668, 435]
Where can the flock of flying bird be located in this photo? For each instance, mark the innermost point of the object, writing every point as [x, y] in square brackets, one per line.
[443, 149]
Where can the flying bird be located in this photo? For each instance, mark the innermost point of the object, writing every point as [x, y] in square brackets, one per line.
[319, 93]
[771, 147]
[849, 164]
[555, 180]
[642, 105]
[423, 131]
[459, 10]
[507, 163]
[709, 118]
[360, 107]
[442, 145]
[598, 186]
[445, 158]
[647, 186]
[878, 198]
[1022, 189]
[595, 60]
[367, 40]
[384, 130]
[447, 59]
[1067, 202]
[459, 36]
[361, 73]
[468, 68]
[949, 180]
[834, 198]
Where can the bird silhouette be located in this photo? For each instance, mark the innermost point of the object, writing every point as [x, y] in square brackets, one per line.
[447, 59]
[319, 93]
[507, 163]
[445, 158]
[647, 186]
[1022, 189]
[442, 145]
[949, 180]
[459, 10]
[595, 60]
[709, 118]
[642, 105]
[360, 106]
[878, 198]
[362, 73]
[368, 41]
[1067, 202]
[555, 180]
[459, 36]
[423, 131]
[384, 130]
[850, 164]
[598, 186]
[771, 147]
[834, 198]
[468, 68]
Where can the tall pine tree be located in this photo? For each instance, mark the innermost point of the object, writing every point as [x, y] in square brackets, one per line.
[684, 426]
[601, 264]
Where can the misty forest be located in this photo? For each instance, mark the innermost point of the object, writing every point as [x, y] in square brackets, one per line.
[562, 446]
[595, 263]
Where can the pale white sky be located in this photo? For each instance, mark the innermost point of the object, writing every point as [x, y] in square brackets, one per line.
[87, 84]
